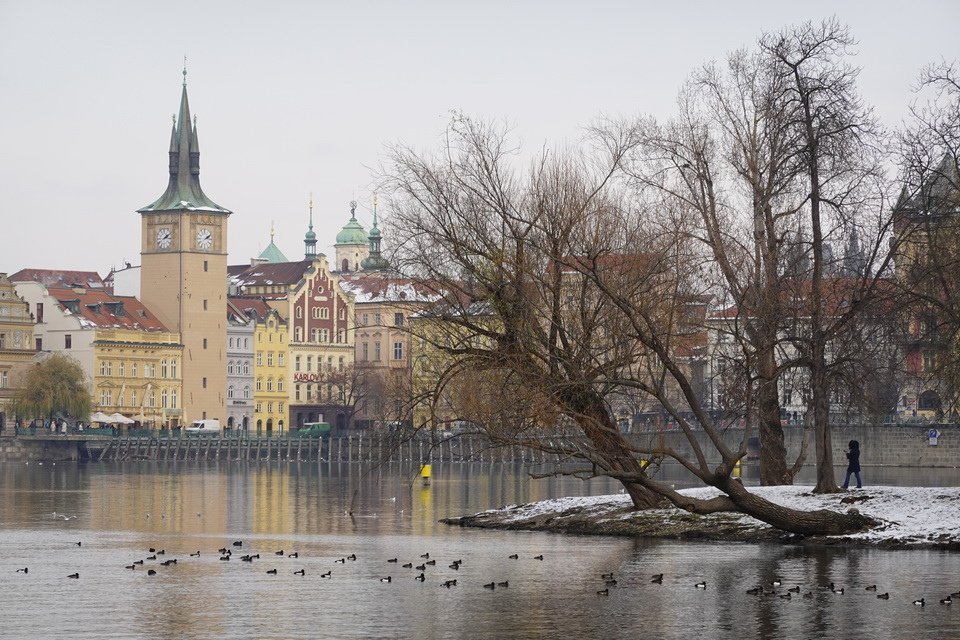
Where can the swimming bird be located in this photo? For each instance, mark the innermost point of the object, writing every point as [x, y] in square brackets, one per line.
[153, 557]
[504, 584]
[603, 592]
[295, 554]
[701, 585]
[80, 544]
[151, 550]
[514, 556]
[838, 591]
[421, 567]
[161, 552]
[300, 573]
[491, 586]
[872, 587]
[611, 583]
[272, 572]
[450, 583]
[74, 576]
[340, 561]
[420, 578]
[808, 594]
[430, 562]
[786, 596]
[920, 602]
[352, 557]
[167, 563]
[197, 554]
[540, 557]
[796, 589]
[392, 560]
[224, 557]
[246, 558]
[755, 591]
[455, 567]
[130, 566]
[328, 574]
[151, 572]
[657, 578]
[238, 543]
[138, 562]
[955, 594]
[24, 570]
[278, 553]
[777, 582]
[883, 596]
[426, 555]
[387, 579]
[947, 600]
[408, 565]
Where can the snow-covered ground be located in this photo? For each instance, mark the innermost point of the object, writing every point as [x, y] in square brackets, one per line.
[908, 516]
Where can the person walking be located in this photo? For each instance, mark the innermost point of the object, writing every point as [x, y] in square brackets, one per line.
[853, 464]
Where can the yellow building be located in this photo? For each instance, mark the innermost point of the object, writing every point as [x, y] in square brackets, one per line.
[184, 272]
[271, 350]
[16, 346]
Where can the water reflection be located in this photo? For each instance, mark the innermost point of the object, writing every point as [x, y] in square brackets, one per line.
[123, 509]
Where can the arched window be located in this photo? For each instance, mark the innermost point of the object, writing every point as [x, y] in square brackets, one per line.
[173, 368]
[163, 368]
[279, 384]
[173, 398]
[259, 384]
[230, 391]
[246, 368]
[230, 367]
[164, 398]
[269, 384]
[246, 392]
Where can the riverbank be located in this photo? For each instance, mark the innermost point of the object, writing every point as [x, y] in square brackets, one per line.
[909, 517]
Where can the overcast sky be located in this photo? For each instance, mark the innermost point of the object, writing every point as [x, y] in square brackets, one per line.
[301, 97]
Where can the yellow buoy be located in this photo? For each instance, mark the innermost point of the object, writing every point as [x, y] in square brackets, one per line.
[425, 474]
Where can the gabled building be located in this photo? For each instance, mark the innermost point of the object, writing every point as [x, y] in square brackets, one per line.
[133, 362]
[242, 317]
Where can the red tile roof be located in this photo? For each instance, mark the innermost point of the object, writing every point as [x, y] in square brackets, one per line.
[59, 278]
[101, 309]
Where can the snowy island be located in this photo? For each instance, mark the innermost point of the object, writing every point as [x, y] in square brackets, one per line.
[909, 517]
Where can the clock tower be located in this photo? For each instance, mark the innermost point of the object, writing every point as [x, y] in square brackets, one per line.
[183, 274]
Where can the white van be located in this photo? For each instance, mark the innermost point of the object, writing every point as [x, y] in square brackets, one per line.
[202, 427]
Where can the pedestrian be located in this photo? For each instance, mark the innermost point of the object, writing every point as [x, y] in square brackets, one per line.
[853, 464]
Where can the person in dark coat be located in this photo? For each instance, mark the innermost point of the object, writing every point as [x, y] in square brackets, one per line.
[853, 464]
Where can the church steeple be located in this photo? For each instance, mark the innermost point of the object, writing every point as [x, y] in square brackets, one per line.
[183, 188]
[375, 261]
[310, 238]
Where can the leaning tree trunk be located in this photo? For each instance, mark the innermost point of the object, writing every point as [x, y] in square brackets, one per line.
[821, 522]
[612, 447]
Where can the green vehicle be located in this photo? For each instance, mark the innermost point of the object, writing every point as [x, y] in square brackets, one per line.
[314, 430]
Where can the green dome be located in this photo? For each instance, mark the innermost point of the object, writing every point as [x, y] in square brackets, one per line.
[310, 235]
[352, 233]
[272, 254]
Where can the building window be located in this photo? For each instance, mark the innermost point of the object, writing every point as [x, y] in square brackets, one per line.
[163, 368]
[152, 399]
[377, 320]
[376, 351]
[173, 399]
[259, 385]
[206, 266]
[39, 313]
[246, 343]
[133, 370]
[364, 351]
[299, 312]
[204, 343]
[279, 407]
[246, 368]
[269, 384]
[309, 392]
[296, 363]
[324, 335]
[316, 312]
[270, 358]
[231, 343]
[246, 392]
[340, 364]
[120, 398]
[204, 305]
[398, 351]
[329, 363]
[324, 313]
[398, 319]
[343, 313]
[230, 391]
[298, 334]
[67, 341]
[309, 362]
[280, 359]
[279, 384]
[269, 407]
[120, 369]
[204, 383]
[5, 380]
[340, 336]
[164, 399]
[296, 392]
[314, 335]
[259, 407]
[230, 367]
[366, 319]
[133, 398]
[259, 358]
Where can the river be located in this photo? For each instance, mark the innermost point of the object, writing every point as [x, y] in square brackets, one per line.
[119, 511]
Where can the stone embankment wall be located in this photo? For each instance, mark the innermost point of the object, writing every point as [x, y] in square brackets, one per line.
[880, 445]
[21, 450]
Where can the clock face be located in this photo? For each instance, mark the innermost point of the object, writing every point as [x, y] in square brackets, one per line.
[204, 238]
[164, 238]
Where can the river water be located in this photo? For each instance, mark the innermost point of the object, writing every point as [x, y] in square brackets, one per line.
[119, 511]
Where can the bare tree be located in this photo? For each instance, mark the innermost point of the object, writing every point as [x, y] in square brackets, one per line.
[565, 286]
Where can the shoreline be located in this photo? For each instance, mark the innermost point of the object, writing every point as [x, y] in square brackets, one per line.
[910, 518]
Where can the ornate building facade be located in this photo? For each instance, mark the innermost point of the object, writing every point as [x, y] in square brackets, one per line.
[17, 346]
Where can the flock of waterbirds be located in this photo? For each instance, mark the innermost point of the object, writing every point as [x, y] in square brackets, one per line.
[425, 562]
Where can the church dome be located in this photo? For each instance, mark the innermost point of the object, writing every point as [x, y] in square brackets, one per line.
[352, 233]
